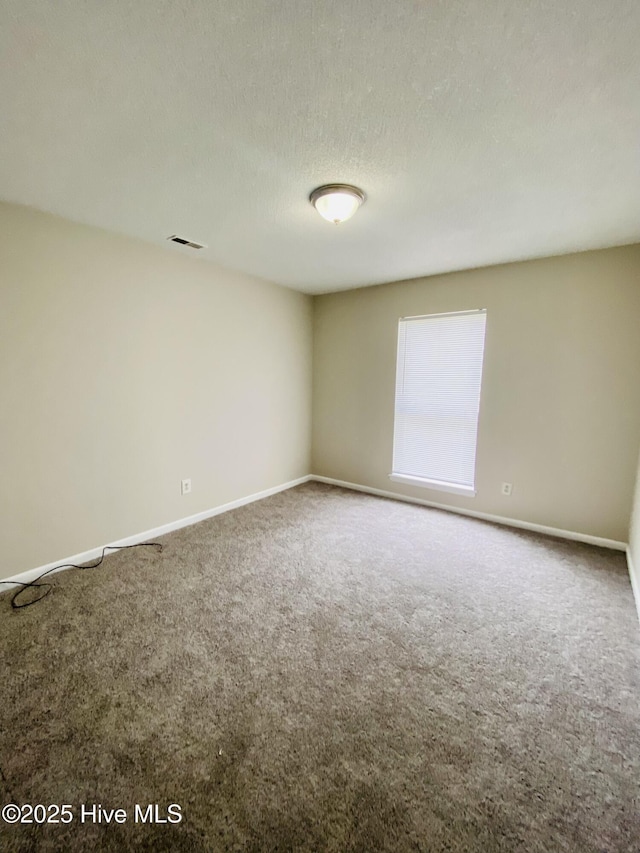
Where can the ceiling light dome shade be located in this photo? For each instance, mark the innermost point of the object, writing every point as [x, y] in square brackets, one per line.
[336, 202]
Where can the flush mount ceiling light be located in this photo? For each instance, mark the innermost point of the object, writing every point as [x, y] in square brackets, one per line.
[336, 202]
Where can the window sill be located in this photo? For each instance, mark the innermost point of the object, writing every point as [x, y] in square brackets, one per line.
[436, 485]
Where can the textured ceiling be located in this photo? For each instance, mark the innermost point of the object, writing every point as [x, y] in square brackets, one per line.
[482, 132]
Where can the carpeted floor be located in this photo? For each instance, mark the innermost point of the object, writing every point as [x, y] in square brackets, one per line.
[328, 671]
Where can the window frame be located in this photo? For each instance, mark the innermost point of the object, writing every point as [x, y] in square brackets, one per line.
[426, 482]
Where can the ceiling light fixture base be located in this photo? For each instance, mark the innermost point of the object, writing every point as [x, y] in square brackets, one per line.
[337, 202]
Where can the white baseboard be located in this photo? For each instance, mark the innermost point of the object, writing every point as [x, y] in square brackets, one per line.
[94, 553]
[483, 516]
[635, 581]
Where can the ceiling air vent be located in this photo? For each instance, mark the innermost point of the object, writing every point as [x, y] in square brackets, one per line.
[184, 242]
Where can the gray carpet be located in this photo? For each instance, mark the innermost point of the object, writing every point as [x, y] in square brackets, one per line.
[328, 671]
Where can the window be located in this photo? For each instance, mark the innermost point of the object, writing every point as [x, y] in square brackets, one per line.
[438, 378]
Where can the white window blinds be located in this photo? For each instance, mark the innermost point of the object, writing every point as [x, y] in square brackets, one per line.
[438, 379]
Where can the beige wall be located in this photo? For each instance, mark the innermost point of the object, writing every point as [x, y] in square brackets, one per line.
[560, 411]
[124, 368]
[634, 541]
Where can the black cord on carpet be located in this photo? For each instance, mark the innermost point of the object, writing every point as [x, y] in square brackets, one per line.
[46, 587]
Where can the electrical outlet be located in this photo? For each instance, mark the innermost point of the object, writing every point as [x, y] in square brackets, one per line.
[185, 487]
[507, 488]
